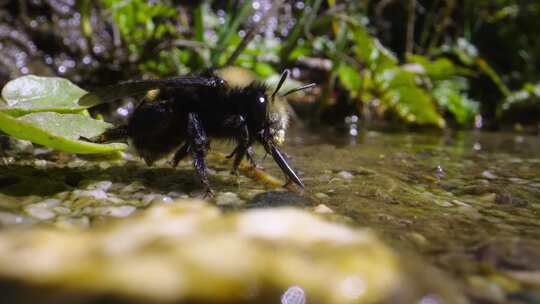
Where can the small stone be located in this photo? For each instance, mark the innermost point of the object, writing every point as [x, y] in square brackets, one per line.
[461, 204]
[115, 200]
[229, 199]
[133, 187]
[103, 185]
[418, 239]
[148, 198]
[61, 210]
[323, 209]
[345, 175]
[324, 178]
[517, 180]
[119, 211]
[487, 174]
[76, 163]
[40, 163]
[39, 211]
[96, 193]
[321, 195]
[443, 203]
[49, 203]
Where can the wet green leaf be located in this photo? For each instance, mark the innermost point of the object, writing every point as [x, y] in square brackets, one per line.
[58, 131]
[29, 94]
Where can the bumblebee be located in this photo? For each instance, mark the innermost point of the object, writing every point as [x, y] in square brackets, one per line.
[189, 110]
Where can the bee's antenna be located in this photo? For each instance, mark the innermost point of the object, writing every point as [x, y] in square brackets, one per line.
[280, 83]
[302, 88]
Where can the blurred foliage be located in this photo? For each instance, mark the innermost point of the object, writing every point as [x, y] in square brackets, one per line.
[45, 110]
[423, 62]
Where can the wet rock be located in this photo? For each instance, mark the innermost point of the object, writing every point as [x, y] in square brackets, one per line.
[322, 196]
[229, 199]
[190, 250]
[42, 210]
[278, 199]
[487, 174]
[95, 193]
[345, 175]
[119, 211]
[509, 199]
[323, 209]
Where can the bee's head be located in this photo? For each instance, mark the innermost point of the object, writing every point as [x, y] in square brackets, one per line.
[254, 106]
[277, 117]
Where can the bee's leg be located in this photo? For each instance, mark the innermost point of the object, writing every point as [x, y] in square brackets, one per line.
[251, 157]
[112, 134]
[180, 154]
[244, 144]
[198, 143]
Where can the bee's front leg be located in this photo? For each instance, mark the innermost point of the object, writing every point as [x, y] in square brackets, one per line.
[199, 144]
[243, 147]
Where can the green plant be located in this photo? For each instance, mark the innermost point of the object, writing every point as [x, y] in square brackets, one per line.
[44, 110]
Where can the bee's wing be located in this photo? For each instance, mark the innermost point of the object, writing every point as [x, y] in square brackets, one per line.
[135, 87]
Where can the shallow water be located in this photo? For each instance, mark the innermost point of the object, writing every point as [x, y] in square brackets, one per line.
[467, 203]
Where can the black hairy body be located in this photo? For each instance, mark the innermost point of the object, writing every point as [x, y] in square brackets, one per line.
[190, 110]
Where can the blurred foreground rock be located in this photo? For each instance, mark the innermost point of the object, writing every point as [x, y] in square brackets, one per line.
[190, 252]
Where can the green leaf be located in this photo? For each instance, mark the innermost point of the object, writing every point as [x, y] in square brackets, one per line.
[413, 103]
[29, 94]
[58, 131]
[371, 52]
[439, 69]
[350, 78]
[450, 95]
